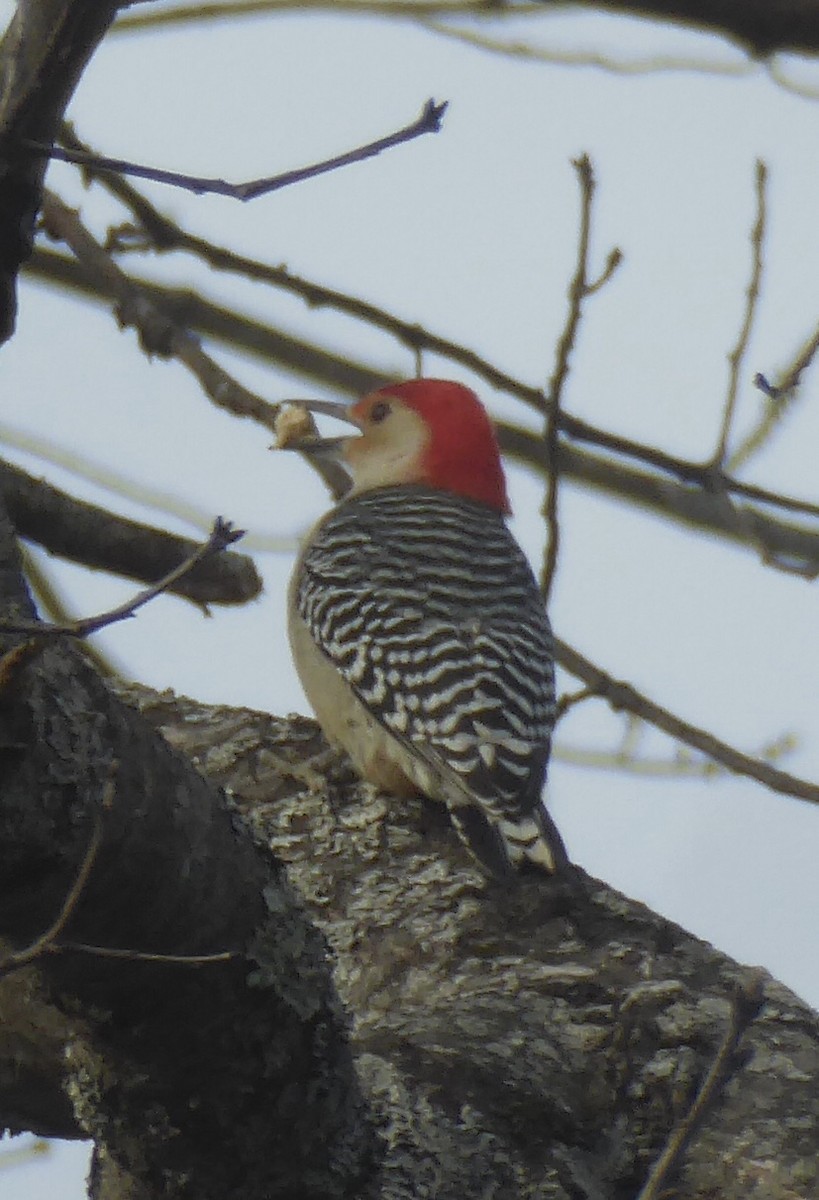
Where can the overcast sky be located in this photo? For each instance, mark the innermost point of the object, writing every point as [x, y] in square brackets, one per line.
[473, 234]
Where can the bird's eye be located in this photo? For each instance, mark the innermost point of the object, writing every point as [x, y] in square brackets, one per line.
[379, 411]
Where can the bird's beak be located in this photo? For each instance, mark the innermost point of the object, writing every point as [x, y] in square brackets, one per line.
[296, 432]
[327, 408]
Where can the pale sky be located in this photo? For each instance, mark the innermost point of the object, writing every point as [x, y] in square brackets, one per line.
[473, 234]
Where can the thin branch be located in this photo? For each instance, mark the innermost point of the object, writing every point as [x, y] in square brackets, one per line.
[355, 378]
[654, 65]
[793, 545]
[84, 533]
[53, 609]
[692, 506]
[682, 765]
[222, 535]
[166, 235]
[158, 333]
[201, 13]
[568, 700]
[184, 960]
[427, 12]
[49, 943]
[771, 65]
[623, 697]
[745, 1008]
[429, 121]
[613, 261]
[579, 289]
[233, 329]
[781, 396]
[42, 944]
[737, 355]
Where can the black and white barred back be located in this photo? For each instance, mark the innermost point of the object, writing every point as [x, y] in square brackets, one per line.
[428, 608]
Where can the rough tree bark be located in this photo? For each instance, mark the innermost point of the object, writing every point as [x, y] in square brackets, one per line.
[42, 56]
[235, 1075]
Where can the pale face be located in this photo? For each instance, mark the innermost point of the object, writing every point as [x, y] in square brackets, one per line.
[391, 447]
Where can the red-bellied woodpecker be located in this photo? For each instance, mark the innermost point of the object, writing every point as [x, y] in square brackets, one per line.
[417, 627]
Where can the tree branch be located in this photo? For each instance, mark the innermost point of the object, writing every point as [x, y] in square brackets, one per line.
[579, 289]
[222, 535]
[42, 56]
[760, 27]
[251, 1051]
[97, 538]
[737, 355]
[493, 1026]
[622, 696]
[429, 121]
[690, 505]
[159, 333]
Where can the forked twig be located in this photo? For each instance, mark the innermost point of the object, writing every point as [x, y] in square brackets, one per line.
[221, 536]
[780, 396]
[429, 121]
[623, 697]
[737, 355]
[579, 289]
[165, 235]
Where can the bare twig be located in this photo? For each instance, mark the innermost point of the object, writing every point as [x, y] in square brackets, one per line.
[797, 545]
[745, 1008]
[793, 376]
[607, 62]
[222, 535]
[781, 396]
[183, 960]
[568, 700]
[682, 765]
[737, 355]
[52, 607]
[427, 12]
[692, 506]
[579, 288]
[429, 121]
[623, 697]
[103, 540]
[166, 235]
[225, 325]
[46, 941]
[355, 378]
[158, 333]
[201, 13]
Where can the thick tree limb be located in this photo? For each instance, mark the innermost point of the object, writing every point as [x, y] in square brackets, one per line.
[97, 538]
[541, 1042]
[42, 56]
[241, 1067]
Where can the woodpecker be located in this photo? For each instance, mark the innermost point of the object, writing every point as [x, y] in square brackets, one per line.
[417, 627]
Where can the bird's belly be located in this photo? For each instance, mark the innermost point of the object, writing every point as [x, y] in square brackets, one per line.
[376, 755]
